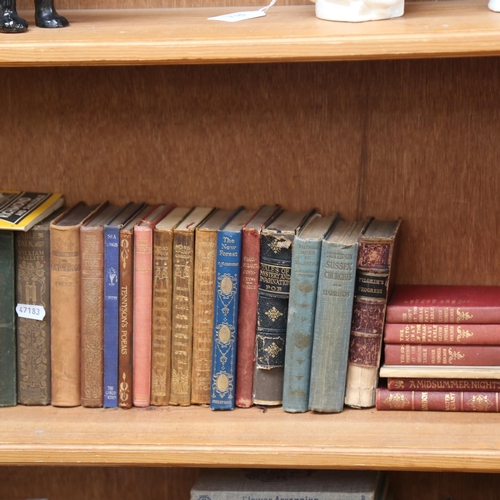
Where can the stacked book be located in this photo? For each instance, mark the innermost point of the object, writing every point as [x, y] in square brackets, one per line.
[139, 305]
[442, 349]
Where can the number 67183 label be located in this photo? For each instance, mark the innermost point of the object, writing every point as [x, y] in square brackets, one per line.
[30, 311]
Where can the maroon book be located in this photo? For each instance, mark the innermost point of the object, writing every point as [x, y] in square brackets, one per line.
[247, 319]
[437, 401]
[444, 304]
[444, 334]
[443, 384]
[444, 355]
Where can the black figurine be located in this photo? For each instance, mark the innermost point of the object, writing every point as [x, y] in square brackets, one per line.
[45, 16]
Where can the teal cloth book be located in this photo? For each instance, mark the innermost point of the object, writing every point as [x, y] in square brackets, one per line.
[8, 392]
[225, 331]
[332, 327]
[301, 312]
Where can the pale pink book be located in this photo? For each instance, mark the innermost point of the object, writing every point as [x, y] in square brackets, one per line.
[143, 297]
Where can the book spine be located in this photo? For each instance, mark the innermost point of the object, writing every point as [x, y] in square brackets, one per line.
[8, 390]
[443, 384]
[447, 334]
[142, 319]
[437, 401]
[272, 313]
[182, 318]
[225, 329]
[92, 315]
[33, 336]
[247, 316]
[370, 299]
[332, 327]
[203, 315]
[443, 314]
[300, 324]
[162, 318]
[111, 293]
[125, 319]
[65, 284]
[470, 355]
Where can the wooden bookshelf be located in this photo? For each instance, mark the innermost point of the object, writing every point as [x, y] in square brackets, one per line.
[196, 436]
[287, 33]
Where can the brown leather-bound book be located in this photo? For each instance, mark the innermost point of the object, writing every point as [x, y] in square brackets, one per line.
[161, 335]
[203, 310]
[182, 306]
[126, 298]
[375, 271]
[247, 310]
[92, 305]
[33, 333]
[65, 301]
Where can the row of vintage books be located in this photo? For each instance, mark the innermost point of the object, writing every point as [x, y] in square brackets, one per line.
[442, 349]
[144, 304]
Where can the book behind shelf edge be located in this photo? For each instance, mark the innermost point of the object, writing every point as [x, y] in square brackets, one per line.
[21, 210]
[265, 484]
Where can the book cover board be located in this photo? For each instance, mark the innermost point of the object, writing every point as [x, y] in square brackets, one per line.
[247, 309]
[264, 484]
[444, 304]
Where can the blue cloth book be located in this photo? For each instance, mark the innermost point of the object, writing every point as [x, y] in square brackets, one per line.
[111, 291]
[332, 326]
[301, 311]
[225, 330]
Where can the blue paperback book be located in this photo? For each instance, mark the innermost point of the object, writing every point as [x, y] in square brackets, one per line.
[227, 286]
[111, 291]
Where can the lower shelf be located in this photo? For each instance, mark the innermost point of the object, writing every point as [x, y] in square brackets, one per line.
[197, 436]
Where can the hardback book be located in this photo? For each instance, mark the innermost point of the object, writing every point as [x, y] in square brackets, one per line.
[272, 309]
[264, 484]
[21, 210]
[8, 388]
[463, 355]
[143, 304]
[247, 309]
[34, 313]
[443, 384]
[111, 297]
[440, 371]
[375, 274]
[301, 311]
[444, 304]
[126, 301]
[92, 305]
[203, 304]
[334, 306]
[438, 401]
[444, 333]
[182, 305]
[161, 333]
[225, 323]
[65, 294]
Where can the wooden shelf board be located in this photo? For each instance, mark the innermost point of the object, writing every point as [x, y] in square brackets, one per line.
[194, 436]
[287, 33]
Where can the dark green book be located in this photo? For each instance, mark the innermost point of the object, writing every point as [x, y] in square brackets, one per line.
[8, 396]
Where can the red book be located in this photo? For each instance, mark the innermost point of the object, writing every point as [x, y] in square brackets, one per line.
[143, 301]
[247, 319]
[444, 334]
[437, 401]
[444, 304]
[445, 355]
[443, 384]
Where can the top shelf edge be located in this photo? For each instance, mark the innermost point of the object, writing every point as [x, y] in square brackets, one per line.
[286, 34]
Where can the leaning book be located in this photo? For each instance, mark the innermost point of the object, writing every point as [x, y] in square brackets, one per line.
[21, 210]
[257, 484]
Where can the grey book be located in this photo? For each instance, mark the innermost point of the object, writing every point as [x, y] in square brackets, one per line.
[275, 484]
